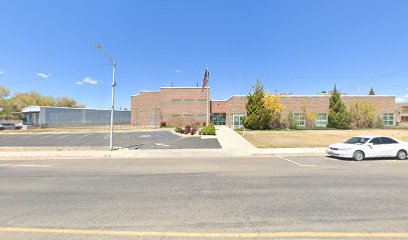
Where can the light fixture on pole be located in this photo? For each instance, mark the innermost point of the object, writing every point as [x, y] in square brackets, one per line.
[113, 92]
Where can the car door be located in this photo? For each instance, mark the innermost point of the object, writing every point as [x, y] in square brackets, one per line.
[376, 148]
[390, 147]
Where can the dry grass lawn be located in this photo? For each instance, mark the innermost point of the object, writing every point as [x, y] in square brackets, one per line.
[314, 138]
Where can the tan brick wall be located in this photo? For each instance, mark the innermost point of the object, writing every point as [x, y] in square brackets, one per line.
[235, 104]
[316, 104]
[175, 106]
[184, 106]
[320, 104]
[218, 106]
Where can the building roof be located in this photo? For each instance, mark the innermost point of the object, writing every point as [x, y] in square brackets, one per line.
[186, 87]
[38, 108]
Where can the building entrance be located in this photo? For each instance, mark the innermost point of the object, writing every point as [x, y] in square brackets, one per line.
[218, 118]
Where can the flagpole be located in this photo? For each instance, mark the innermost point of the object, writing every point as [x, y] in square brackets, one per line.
[208, 99]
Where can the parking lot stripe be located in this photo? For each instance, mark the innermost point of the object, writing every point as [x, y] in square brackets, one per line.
[209, 235]
[302, 165]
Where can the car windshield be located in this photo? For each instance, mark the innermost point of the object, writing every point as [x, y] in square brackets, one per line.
[357, 140]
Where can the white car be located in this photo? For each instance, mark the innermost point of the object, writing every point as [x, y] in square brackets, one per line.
[359, 148]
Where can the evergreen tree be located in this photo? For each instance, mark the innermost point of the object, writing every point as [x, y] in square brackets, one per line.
[258, 116]
[339, 116]
[371, 92]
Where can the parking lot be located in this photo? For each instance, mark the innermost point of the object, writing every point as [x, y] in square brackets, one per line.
[132, 140]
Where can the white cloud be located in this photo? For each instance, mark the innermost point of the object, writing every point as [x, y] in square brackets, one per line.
[43, 75]
[177, 71]
[87, 80]
[402, 99]
[1, 72]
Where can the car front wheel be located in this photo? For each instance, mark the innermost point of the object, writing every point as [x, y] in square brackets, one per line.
[401, 155]
[358, 155]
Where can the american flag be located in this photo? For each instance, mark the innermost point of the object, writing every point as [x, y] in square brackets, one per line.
[205, 80]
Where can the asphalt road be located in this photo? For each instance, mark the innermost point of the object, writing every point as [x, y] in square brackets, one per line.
[124, 199]
[133, 140]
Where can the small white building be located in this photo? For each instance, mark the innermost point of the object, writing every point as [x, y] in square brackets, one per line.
[46, 116]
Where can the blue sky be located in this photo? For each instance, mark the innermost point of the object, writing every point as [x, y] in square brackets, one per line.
[301, 47]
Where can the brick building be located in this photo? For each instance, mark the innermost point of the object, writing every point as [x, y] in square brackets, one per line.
[402, 114]
[183, 106]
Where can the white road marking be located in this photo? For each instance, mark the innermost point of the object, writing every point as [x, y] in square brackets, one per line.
[302, 165]
[107, 136]
[63, 136]
[23, 165]
[162, 144]
[44, 136]
[27, 136]
[144, 136]
[86, 135]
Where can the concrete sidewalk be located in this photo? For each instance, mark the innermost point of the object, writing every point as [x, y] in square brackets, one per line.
[27, 154]
[231, 140]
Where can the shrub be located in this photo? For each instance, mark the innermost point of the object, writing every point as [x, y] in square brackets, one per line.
[208, 130]
[273, 103]
[193, 130]
[187, 129]
[291, 123]
[163, 124]
[379, 123]
[178, 129]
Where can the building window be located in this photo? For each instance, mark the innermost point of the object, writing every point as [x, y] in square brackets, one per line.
[176, 100]
[300, 119]
[176, 115]
[388, 119]
[188, 100]
[238, 120]
[201, 100]
[321, 120]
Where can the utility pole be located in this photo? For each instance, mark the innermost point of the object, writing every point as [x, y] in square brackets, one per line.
[113, 93]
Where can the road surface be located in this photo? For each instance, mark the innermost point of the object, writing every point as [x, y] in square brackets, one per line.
[202, 198]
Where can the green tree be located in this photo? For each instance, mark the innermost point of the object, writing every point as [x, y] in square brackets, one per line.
[258, 115]
[4, 93]
[18, 101]
[339, 116]
[371, 92]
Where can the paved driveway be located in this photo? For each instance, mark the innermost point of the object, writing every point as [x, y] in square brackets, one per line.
[133, 140]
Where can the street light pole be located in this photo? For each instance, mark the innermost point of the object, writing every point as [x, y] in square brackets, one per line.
[113, 93]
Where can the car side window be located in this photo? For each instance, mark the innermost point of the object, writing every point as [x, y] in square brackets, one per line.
[376, 141]
[386, 140]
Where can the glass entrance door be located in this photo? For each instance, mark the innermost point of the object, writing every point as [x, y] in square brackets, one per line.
[218, 118]
[238, 120]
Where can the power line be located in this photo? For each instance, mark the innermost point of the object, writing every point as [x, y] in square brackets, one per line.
[57, 75]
